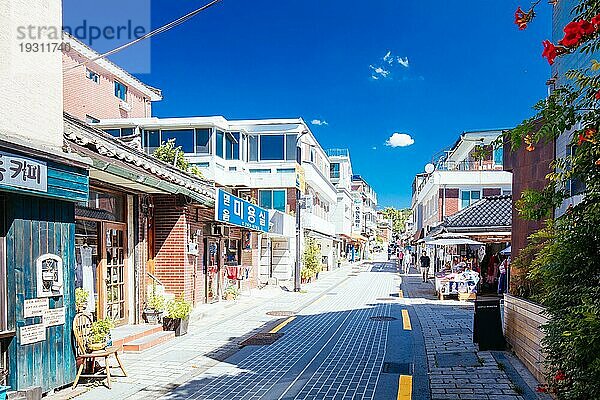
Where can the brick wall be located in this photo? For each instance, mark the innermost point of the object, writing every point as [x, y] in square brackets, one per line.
[491, 192]
[82, 96]
[529, 171]
[451, 201]
[181, 273]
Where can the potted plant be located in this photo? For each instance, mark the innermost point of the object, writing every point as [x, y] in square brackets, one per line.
[155, 306]
[100, 334]
[178, 316]
[81, 299]
[231, 292]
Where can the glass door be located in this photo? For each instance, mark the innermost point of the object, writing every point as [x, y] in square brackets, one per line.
[114, 290]
[212, 270]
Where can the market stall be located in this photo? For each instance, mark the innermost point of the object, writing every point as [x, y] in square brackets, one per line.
[458, 275]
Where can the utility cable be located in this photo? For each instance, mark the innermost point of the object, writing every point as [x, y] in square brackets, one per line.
[161, 29]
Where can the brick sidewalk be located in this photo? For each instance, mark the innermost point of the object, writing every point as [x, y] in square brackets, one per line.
[210, 339]
[456, 369]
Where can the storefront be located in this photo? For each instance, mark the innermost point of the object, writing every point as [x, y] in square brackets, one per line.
[102, 254]
[237, 226]
[38, 192]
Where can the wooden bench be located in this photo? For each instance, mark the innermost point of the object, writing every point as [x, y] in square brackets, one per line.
[82, 324]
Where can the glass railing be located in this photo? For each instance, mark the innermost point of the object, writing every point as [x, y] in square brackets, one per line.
[337, 152]
[468, 166]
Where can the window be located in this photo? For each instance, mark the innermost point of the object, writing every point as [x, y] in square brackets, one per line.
[574, 186]
[151, 141]
[120, 91]
[114, 132]
[203, 141]
[498, 156]
[274, 199]
[91, 120]
[260, 170]
[469, 197]
[220, 137]
[127, 131]
[272, 147]
[286, 170]
[334, 169]
[290, 147]
[232, 146]
[92, 76]
[253, 148]
[183, 138]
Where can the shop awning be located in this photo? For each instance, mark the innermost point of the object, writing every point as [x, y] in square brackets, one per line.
[360, 238]
[455, 241]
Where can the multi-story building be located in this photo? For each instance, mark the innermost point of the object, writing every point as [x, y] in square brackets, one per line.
[460, 176]
[365, 212]
[258, 159]
[101, 89]
[341, 177]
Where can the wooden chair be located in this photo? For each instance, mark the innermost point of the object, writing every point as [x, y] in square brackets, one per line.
[82, 324]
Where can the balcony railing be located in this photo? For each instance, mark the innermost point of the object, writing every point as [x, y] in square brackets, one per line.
[469, 166]
[338, 153]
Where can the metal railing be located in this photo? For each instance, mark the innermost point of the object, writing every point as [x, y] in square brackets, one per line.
[337, 152]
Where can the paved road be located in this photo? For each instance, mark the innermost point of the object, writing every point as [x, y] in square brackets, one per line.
[351, 343]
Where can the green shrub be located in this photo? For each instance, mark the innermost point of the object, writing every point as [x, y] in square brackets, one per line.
[179, 308]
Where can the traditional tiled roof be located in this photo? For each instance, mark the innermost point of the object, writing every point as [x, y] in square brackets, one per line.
[100, 142]
[493, 211]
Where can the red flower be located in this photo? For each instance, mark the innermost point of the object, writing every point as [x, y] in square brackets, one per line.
[521, 18]
[560, 376]
[597, 95]
[587, 136]
[596, 21]
[586, 28]
[575, 31]
[541, 389]
[570, 40]
[550, 52]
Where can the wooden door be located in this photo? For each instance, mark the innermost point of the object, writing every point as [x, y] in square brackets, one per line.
[113, 284]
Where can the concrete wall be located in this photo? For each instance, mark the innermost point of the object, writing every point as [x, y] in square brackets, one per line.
[31, 82]
[522, 321]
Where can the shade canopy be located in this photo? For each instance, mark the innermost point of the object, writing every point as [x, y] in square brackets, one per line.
[449, 242]
[506, 251]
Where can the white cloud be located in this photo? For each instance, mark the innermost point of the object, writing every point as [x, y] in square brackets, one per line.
[379, 72]
[399, 140]
[402, 61]
[388, 57]
[319, 122]
[374, 148]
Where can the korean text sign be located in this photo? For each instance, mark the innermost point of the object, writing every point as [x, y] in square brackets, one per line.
[233, 210]
[23, 172]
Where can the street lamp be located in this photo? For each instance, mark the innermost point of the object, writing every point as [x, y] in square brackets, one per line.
[298, 208]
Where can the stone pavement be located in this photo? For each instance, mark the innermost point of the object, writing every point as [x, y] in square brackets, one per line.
[211, 338]
[456, 369]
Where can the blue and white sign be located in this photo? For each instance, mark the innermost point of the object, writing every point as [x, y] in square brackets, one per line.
[233, 210]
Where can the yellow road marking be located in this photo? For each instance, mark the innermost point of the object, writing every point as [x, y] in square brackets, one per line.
[406, 321]
[281, 325]
[405, 387]
[400, 294]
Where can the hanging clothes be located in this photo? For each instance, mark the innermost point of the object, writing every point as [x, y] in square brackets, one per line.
[87, 272]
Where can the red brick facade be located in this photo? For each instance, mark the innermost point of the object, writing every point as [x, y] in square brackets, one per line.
[83, 97]
[451, 201]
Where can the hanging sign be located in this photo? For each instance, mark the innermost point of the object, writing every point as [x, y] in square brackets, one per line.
[32, 334]
[34, 307]
[49, 275]
[23, 172]
[54, 316]
[233, 210]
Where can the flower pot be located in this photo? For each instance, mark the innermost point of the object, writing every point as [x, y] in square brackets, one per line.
[97, 346]
[153, 316]
[180, 326]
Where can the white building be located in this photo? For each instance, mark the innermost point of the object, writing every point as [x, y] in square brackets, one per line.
[258, 159]
[365, 213]
[458, 177]
[341, 177]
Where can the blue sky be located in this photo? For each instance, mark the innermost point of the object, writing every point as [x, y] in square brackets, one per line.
[461, 66]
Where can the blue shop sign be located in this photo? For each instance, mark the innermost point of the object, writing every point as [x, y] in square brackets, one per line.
[233, 210]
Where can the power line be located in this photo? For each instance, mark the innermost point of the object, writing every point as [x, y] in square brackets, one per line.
[162, 29]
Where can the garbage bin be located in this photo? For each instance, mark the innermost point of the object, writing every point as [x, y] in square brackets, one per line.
[487, 325]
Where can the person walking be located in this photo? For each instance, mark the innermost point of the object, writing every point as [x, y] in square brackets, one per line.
[400, 258]
[425, 263]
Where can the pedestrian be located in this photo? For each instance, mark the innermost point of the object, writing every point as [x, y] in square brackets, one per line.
[425, 263]
[502, 277]
[400, 259]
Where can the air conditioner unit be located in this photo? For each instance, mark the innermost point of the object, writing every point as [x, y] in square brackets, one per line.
[123, 105]
[219, 230]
